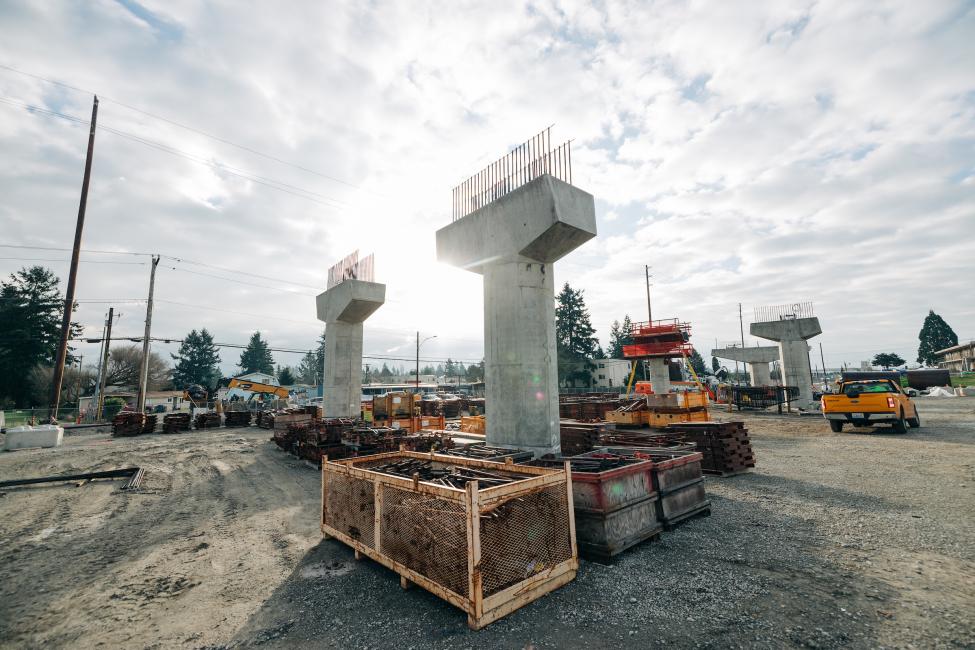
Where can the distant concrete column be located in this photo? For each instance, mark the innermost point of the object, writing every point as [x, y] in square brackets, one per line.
[791, 335]
[659, 376]
[513, 243]
[344, 307]
[759, 374]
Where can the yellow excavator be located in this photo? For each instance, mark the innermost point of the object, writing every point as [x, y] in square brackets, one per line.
[259, 390]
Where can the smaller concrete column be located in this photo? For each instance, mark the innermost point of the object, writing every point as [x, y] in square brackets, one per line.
[759, 375]
[659, 376]
[344, 307]
[791, 335]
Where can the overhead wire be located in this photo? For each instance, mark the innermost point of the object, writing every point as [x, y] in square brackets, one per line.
[281, 186]
[183, 126]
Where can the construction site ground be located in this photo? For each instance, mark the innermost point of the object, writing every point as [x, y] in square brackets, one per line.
[860, 539]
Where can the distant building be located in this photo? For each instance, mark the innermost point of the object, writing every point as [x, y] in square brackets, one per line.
[958, 358]
[259, 378]
[172, 400]
[611, 373]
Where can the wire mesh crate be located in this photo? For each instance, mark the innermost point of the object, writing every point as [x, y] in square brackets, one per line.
[487, 551]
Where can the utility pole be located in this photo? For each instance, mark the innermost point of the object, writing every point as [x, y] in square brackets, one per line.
[62, 356]
[144, 370]
[103, 377]
[823, 359]
[646, 268]
[418, 361]
[741, 326]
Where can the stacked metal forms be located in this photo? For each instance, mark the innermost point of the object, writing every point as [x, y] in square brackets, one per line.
[486, 537]
[615, 502]
[587, 408]
[176, 422]
[149, 426]
[677, 480]
[580, 437]
[726, 447]
[237, 418]
[128, 423]
[207, 421]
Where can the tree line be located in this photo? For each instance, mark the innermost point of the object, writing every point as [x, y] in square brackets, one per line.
[31, 309]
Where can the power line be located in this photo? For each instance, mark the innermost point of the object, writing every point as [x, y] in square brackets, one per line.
[261, 180]
[184, 126]
[61, 259]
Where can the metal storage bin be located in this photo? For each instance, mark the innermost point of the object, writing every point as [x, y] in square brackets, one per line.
[487, 551]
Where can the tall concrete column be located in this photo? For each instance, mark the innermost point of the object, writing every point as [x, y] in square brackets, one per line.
[344, 307]
[791, 335]
[757, 359]
[659, 376]
[513, 242]
[520, 364]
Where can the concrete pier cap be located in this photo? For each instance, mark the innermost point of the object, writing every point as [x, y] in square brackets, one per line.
[344, 308]
[791, 335]
[758, 359]
[511, 242]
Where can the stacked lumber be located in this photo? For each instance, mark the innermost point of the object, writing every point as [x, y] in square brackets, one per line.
[149, 426]
[726, 447]
[128, 423]
[176, 422]
[237, 418]
[207, 421]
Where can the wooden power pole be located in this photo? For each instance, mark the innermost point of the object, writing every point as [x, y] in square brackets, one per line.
[103, 376]
[62, 355]
[144, 370]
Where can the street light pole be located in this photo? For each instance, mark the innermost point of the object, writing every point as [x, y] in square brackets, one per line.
[418, 344]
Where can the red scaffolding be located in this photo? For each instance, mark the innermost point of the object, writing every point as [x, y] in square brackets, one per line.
[663, 339]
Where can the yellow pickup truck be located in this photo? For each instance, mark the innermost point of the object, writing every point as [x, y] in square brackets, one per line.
[868, 402]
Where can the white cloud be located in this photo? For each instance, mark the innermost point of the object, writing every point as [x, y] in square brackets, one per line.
[751, 152]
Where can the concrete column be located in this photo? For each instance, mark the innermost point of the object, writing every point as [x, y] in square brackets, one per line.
[791, 335]
[342, 388]
[513, 242]
[344, 307]
[521, 367]
[796, 370]
[759, 374]
[659, 376]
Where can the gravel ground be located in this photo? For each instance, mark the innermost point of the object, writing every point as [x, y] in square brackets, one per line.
[859, 539]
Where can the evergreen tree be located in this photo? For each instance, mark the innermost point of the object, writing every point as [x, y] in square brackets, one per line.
[197, 362]
[31, 309]
[475, 371]
[320, 355]
[385, 373]
[575, 337]
[715, 365]
[888, 360]
[285, 376]
[697, 362]
[935, 335]
[449, 369]
[308, 371]
[256, 357]
[619, 335]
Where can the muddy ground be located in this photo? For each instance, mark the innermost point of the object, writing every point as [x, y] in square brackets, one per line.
[857, 540]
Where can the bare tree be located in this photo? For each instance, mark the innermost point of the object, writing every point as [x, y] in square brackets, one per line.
[123, 368]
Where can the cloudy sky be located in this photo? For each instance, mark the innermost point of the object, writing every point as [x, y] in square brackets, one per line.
[750, 152]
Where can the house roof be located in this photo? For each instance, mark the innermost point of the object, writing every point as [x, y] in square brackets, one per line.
[960, 346]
